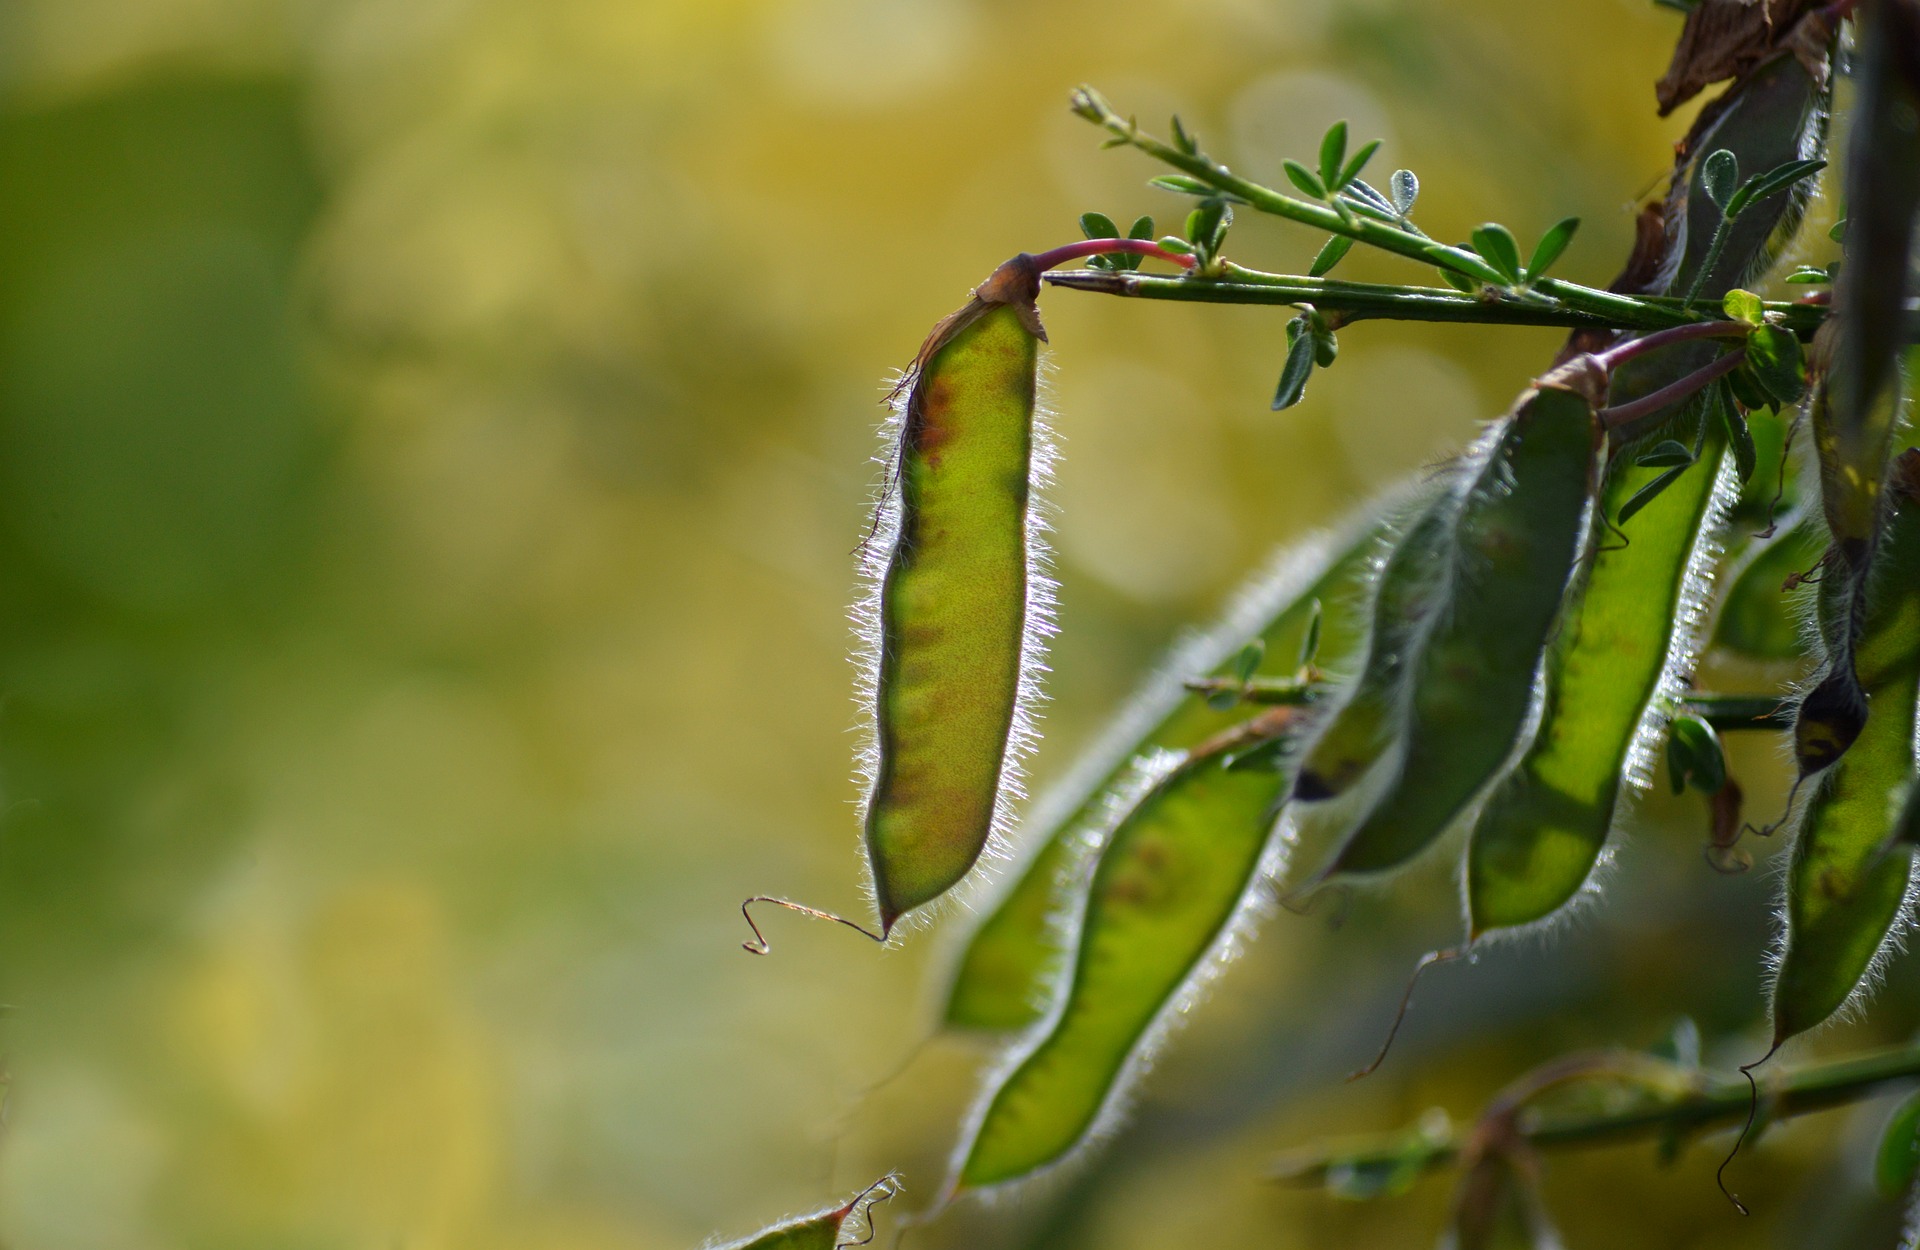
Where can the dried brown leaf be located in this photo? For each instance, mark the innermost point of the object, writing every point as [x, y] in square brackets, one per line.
[1724, 39]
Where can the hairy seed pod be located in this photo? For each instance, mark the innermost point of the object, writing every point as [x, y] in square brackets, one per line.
[1174, 887]
[1517, 542]
[1855, 362]
[1002, 975]
[1833, 712]
[960, 612]
[1607, 684]
[822, 1230]
[1844, 892]
[1864, 340]
[1367, 716]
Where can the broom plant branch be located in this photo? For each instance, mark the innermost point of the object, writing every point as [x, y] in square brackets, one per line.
[1367, 228]
[1672, 1102]
[1361, 301]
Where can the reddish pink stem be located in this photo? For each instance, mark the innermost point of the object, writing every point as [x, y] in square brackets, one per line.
[1101, 247]
[1647, 405]
[1618, 355]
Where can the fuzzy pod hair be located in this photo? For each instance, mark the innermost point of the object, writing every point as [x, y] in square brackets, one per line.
[1616, 669]
[1181, 879]
[1849, 888]
[821, 1230]
[952, 629]
[1473, 672]
[1004, 966]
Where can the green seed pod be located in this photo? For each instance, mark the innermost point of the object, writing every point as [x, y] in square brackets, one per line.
[1759, 617]
[1002, 974]
[1175, 887]
[1863, 342]
[1833, 712]
[956, 626]
[822, 1230]
[1897, 1160]
[1518, 541]
[1607, 688]
[1855, 359]
[1363, 723]
[1844, 893]
[1854, 450]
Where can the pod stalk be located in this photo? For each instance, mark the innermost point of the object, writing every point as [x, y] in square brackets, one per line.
[1625, 414]
[1617, 355]
[1069, 252]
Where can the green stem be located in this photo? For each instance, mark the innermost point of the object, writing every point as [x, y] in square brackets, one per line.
[1361, 301]
[1355, 301]
[1266, 691]
[1615, 309]
[1740, 711]
[1714, 247]
[1706, 1103]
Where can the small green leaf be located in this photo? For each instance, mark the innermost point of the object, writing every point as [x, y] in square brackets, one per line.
[1739, 434]
[1551, 245]
[1458, 281]
[1898, 1158]
[1207, 227]
[1333, 153]
[1807, 275]
[1217, 236]
[1747, 389]
[1310, 645]
[1224, 700]
[1744, 306]
[1098, 226]
[1405, 188]
[1774, 356]
[1299, 366]
[1175, 244]
[1125, 261]
[1774, 181]
[1336, 247]
[1359, 162]
[1247, 663]
[1496, 246]
[1326, 348]
[1182, 140]
[1839, 231]
[1360, 191]
[1721, 175]
[1303, 178]
[1694, 756]
[1666, 455]
[1181, 184]
[1650, 492]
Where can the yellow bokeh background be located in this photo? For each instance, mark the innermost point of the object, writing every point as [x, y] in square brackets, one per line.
[432, 438]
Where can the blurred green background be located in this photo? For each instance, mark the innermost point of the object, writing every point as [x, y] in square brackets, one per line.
[432, 438]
